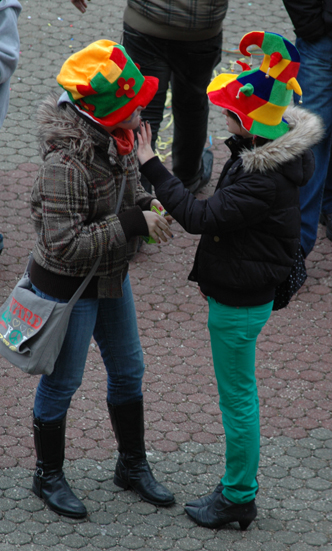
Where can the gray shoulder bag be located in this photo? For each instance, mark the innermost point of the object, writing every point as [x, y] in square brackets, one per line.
[32, 329]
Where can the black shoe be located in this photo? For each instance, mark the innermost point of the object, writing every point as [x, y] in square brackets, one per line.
[49, 481]
[207, 164]
[206, 500]
[1, 243]
[132, 470]
[222, 511]
[326, 220]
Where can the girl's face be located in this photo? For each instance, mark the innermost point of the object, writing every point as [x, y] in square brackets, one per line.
[133, 121]
[130, 124]
[233, 126]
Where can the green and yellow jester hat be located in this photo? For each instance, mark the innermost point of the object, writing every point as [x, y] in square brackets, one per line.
[260, 96]
[104, 83]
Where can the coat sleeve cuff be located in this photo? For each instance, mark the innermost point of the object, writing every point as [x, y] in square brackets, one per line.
[133, 223]
[145, 202]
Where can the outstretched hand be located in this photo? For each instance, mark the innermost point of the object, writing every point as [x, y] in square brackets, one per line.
[80, 5]
[144, 151]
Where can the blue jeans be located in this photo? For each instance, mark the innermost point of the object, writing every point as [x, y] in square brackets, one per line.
[112, 322]
[188, 66]
[234, 333]
[315, 78]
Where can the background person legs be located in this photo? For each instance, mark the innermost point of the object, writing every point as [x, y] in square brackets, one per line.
[315, 79]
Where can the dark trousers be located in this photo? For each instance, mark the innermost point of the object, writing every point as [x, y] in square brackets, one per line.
[188, 67]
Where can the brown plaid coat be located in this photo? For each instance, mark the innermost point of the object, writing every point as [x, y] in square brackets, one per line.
[74, 197]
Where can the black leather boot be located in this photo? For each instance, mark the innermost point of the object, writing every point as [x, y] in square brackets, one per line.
[49, 481]
[132, 469]
[222, 511]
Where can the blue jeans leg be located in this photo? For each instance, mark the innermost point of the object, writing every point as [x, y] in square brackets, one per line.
[315, 78]
[122, 355]
[116, 333]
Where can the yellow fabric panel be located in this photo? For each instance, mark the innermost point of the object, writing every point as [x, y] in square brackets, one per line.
[221, 81]
[82, 66]
[268, 114]
[277, 69]
[113, 73]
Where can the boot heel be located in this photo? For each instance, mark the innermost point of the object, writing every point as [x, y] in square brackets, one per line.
[36, 485]
[120, 482]
[245, 523]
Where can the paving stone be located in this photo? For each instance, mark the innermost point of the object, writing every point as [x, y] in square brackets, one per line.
[273, 546]
[17, 515]
[246, 546]
[287, 537]
[315, 538]
[324, 506]
[302, 473]
[318, 484]
[301, 547]
[311, 516]
[46, 539]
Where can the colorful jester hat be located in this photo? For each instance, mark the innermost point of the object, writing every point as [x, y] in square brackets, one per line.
[104, 83]
[260, 96]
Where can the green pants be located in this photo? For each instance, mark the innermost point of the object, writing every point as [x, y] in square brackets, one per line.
[234, 333]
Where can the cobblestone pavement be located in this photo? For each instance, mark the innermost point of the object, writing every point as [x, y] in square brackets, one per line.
[183, 426]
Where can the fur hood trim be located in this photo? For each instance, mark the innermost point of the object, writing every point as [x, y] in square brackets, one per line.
[67, 129]
[306, 129]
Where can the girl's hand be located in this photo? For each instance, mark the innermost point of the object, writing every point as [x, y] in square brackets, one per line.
[158, 226]
[144, 151]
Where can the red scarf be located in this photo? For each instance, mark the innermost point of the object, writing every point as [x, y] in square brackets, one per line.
[124, 140]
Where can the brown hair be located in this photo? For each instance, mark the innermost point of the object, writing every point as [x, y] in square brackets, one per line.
[257, 140]
[234, 116]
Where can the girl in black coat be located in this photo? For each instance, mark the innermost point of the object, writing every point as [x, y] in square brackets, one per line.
[250, 234]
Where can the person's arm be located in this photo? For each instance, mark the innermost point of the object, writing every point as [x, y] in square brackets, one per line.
[235, 207]
[307, 18]
[9, 42]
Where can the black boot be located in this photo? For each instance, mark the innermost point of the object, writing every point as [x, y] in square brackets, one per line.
[49, 481]
[132, 469]
[222, 511]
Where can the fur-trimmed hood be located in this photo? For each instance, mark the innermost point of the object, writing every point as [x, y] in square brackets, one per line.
[65, 128]
[306, 130]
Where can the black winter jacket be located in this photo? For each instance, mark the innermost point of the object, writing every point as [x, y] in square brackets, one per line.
[251, 225]
[312, 19]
